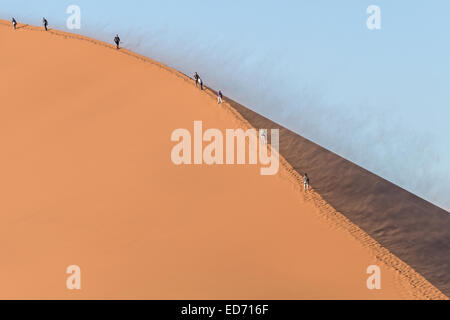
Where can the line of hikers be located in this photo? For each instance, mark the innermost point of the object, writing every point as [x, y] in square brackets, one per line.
[44, 23]
[197, 79]
[199, 83]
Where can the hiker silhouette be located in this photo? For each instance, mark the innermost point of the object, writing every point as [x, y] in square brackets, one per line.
[45, 23]
[117, 41]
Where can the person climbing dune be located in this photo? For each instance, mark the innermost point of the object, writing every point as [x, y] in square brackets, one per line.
[263, 136]
[14, 23]
[45, 23]
[117, 41]
[219, 97]
[306, 182]
[196, 77]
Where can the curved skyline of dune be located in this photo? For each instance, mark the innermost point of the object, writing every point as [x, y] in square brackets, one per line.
[87, 180]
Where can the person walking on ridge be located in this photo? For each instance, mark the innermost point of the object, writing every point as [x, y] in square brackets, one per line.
[45, 23]
[14, 23]
[117, 41]
[263, 136]
[306, 182]
[219, 97]
[196, 77]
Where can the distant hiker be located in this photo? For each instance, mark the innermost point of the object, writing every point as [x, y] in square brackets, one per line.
[45, 23]
[117, 41]
[263, 136]
[14, 23]
[306, 182]
[219, 97]
[196, 77]
[198, 81]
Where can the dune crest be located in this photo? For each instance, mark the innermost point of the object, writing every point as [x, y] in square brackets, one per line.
[87, 180]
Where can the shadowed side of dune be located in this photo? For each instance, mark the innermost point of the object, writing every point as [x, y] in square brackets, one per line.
[413, 229]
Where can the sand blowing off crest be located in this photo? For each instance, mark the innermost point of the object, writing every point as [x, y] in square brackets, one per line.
[87, 180]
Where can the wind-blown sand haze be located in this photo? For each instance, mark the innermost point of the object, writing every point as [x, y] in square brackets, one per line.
[87, 180]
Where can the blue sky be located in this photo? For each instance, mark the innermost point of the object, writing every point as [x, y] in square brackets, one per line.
[376, 97]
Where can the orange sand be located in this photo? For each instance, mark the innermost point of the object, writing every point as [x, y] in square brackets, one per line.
[86, 179]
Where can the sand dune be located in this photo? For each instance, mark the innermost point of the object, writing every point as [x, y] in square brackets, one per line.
[415, 230]
[87, 180]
